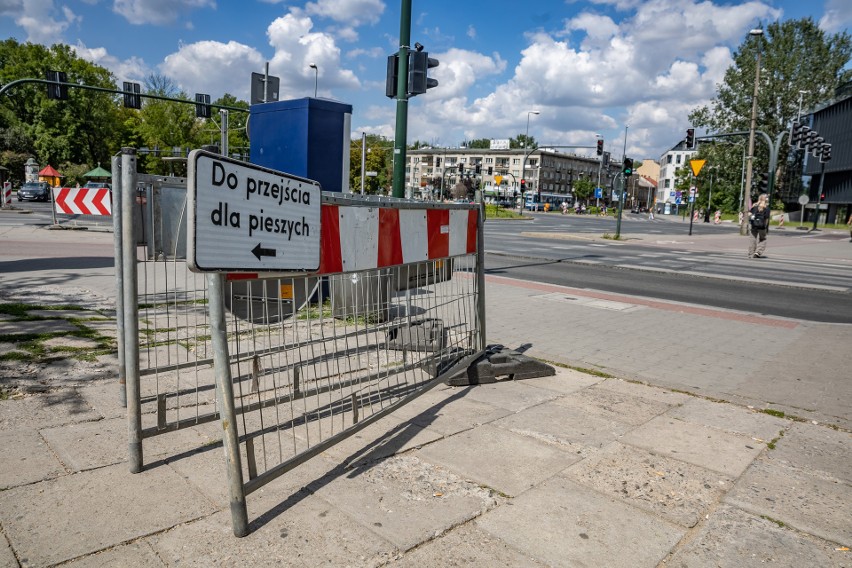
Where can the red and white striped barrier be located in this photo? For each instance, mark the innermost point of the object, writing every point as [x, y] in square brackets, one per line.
[717, 218]
[82, 200]
[6, 198]
[364, 238]
[781, 221]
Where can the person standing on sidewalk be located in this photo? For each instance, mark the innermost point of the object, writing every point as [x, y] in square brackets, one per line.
[758, 218]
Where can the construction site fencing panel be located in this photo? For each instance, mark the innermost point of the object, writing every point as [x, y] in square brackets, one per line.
[311, 358]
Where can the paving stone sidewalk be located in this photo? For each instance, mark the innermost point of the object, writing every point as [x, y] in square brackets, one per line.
[569, 470]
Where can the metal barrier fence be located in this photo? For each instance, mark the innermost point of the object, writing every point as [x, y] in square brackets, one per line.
[290, 365]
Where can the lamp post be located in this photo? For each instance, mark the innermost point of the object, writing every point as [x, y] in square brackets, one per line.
[524, 165]
[316, 77]
[757, 32]
[527, 135]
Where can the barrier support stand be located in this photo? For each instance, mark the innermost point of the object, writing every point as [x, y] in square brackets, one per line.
[131, 309]
[225, 400]
[480, 272]
[119, 275]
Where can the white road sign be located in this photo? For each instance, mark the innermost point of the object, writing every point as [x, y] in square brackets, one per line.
[245, 218]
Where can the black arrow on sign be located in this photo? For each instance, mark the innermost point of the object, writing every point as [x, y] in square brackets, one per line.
[259, 251]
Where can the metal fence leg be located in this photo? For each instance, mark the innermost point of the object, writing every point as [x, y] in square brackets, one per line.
[117, 191]
[480, 275]
[225, 399]
[130, 308]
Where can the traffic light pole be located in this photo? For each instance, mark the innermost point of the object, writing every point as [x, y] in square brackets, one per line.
[401, 134]
[8, 86]
[819, 193]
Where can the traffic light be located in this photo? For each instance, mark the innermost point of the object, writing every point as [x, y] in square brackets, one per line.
[810, 139]
[600, 147]
[628, 167]
[392, 76]
[419, 63]
[763, 186]
[826, 153]
[461, 169]
[816, 146]
[131, 95]
[796, 133]
[478, 169]
[490, 170]
[690, 138]
[202, 105]
[523, 185]
[58, 91]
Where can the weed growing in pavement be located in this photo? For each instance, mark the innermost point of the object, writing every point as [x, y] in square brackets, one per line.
[771, 520]
[771, 444]
[20, 311]
[773, 412]
[594, 372]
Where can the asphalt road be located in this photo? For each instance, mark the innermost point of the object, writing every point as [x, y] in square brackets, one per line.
[809, 304]
[709, 268]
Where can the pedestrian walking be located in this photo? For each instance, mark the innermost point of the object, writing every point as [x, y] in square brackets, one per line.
[758, 218]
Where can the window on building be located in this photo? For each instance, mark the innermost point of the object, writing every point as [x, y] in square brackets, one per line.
[678, 159]
[667, 183]
[669, 159]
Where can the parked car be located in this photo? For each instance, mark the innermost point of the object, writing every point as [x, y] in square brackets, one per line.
[97, 184]
[34, 191]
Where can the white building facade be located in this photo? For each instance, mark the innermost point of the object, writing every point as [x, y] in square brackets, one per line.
[431, 172]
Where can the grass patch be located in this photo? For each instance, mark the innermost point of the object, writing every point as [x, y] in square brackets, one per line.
[30, 348]
[773, 412]
[5, 394]
[594, 372]
[497, 212]
[611, 237]
[771, 520]
[20, 311]
[771, 444]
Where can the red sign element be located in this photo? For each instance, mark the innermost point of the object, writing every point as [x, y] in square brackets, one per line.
[83, 201]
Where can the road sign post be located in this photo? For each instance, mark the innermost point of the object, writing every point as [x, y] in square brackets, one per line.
[245, 218]
[803, 200]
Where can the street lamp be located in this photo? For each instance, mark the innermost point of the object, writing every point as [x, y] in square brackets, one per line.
[757, 32]
[316, 77]
[526, 140]
[799, 112]
[527, 135]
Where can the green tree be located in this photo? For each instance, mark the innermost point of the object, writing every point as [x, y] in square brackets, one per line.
[480, 143]
[523, 141]
[583, 189]
[378, 159]
[81, 129]
[796, 55]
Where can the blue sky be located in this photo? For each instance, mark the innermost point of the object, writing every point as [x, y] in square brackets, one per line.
[588, 66]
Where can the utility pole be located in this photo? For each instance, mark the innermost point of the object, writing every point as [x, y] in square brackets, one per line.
[401, 135]
[757, 32]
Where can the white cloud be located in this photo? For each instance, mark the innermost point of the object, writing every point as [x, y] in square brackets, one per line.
[353, 12]
[42, 20]
[296, 47]
[133, 69]
[157, 12]
[213, 67]
[648, 70]
[838, 16]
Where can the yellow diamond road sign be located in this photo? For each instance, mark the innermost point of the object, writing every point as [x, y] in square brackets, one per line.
[498, 179]
[696, 166]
